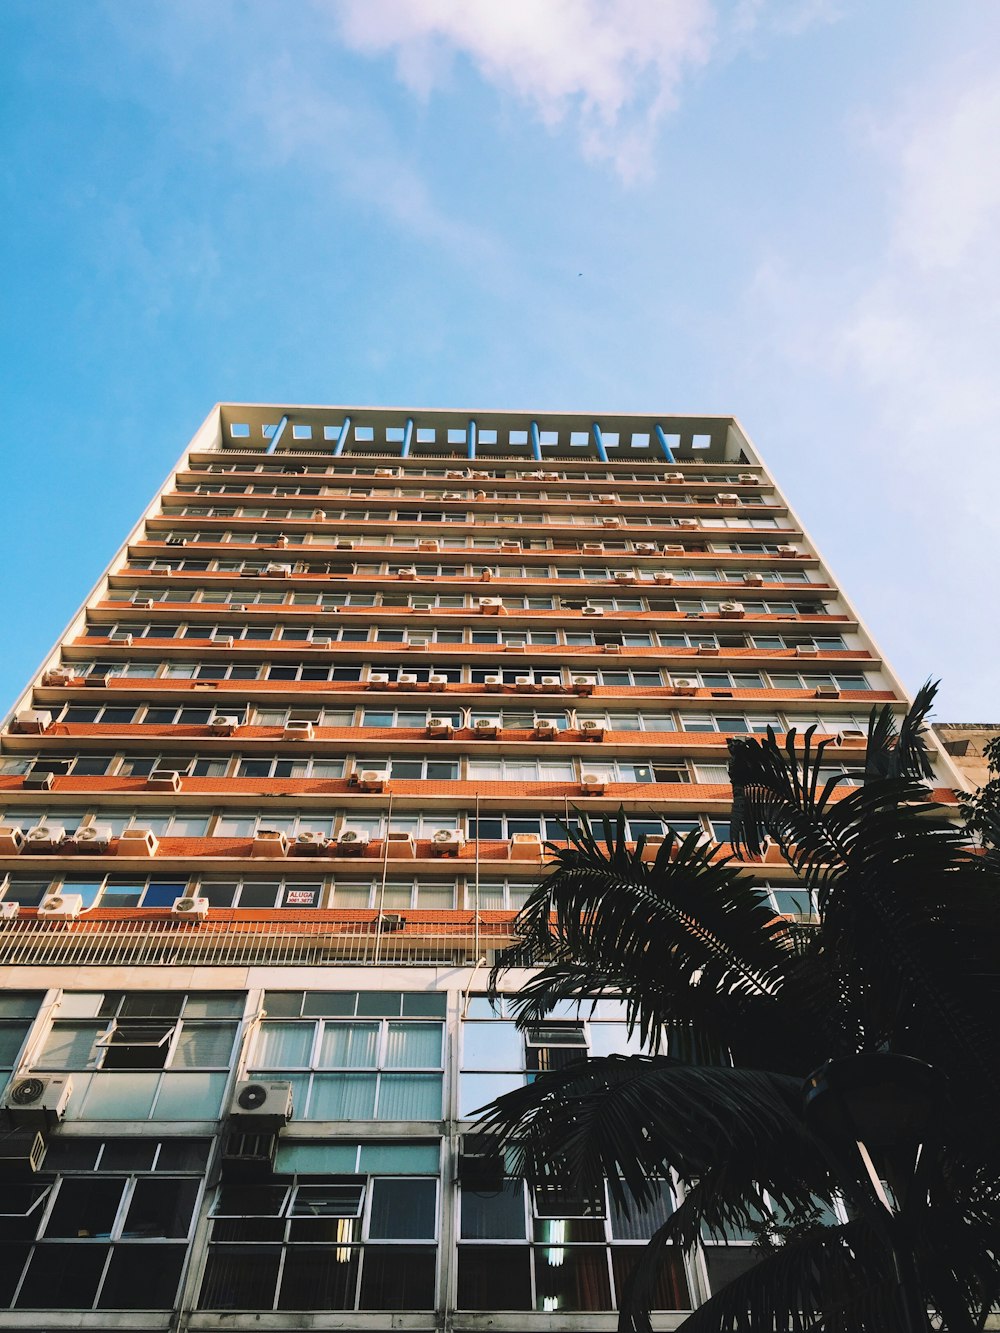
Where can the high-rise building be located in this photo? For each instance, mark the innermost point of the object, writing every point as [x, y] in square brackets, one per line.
[269, 808]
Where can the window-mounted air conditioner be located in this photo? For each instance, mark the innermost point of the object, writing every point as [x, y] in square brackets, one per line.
[400, 846]
[487, 726]
[262, 1102]
[591, 548]
[248, 1156]
[311, 843]
[377, 678]
[222, 640]
[22, 1152]
[674, 548]
[37, 780]
[94, 838]
[320, 641]
[708, 650]
[608, 498]
[138, 842]
[120, 636]
[344, 544]
[44, 838]
[352, 841]
[672, 478]
[806, 650]
[142, 603]
[194, 908]
[61, 906]
[11, 840]
[439, 726]
[176, 541]
[827, 692]
[446, 842]
[408, 572]
[270, 843]
[385, 472]
[525, 847]
[32, 721]
[454, 474]
[431, 545]
[732, 610]
[297, 731]
[164, 779]
[510, 546]
[160, 567]
[388, 922]
[452, 495]
[38, 1103]
[593, 730]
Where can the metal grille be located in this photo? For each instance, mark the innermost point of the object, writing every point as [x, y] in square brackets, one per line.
[294, 941]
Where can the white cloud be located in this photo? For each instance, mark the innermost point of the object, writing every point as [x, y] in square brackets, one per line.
[613, 67]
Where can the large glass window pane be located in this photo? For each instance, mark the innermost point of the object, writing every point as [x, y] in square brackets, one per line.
[160, 1207]
[283, 1044]
[494, 1216]
[343, 1097]
[62, 1277]
[204, 1045]
[403, 1210]
[395, 1277]
[190, 1096]
[85, 1208]
[12, 1037]
[571, 1278]
[413, 1046]
[319, 1278]
[142, 1277]
[475, 1090]
[240, 1278]
[492, 1046]
[349, 1045]
[69, 1045]
[494, 1277]
[409, 1097]
[120, 1096]
[670, 1291]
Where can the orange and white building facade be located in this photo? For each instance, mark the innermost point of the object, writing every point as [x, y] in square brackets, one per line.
[269, 808]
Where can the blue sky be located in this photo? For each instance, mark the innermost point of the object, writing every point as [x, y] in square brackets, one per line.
[784, 209]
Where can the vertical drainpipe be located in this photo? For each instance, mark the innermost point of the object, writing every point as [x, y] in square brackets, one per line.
[665, 448]
[407, 438]
[338, 448]
[536, 443]
[279, 430]
[602, 453]
[470, 436]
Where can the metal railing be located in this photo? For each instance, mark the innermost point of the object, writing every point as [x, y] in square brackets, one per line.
[293, 940]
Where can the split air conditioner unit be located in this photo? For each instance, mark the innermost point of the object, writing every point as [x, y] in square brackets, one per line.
[646, 548]
[446, 842]
[593, 730]
[194, 908]
[138, 842]
[407, 572]
[406, 679]
[452, 495]
[672, 478]
[61, 906]
[385, 472]
[688, 523]
[377, 678]
[44, 838]
[592, 611]
[611, 522]
[94, 838]
[270, 844]
[749, 478]
[683, 685]
[592, 785]
[732, 610]
[437, 681]
[283, 571]
[524, 683]
[352, 841]
[788, 550]
[545, 729]
[494, 682]
[310, 843]
[584, 684]
[728, 498]
[608, 498]
[753, 579]
[439, 726]
[224, 724]
[32, 721]
[262, 1103]
[58, 676]
[490, 606]
[373, 779]
[454, 474]
[664, 576]
[38, 1103]
[551, 682]
[623, 576]
[487, 726]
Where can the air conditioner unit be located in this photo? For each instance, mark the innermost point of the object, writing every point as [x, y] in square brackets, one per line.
[510, 547]
[728, 498]
[120, 636]
[405, 678]
[262, 1102]
[94, 838]
[138, 842]
[239, 606]
[388, 922]
[452, 495]
[373, 779]
[672, 478]
[535, 476]
[487, 726]
[525, 847]
[494, 682]
[280, 541]
[490, 605]
[44, 838]
[310, 843]
[683, 685]
[708, 650]
[551, 682]
[11, 840]
[592, 730]
[479, 495]
[481, 476]
[22, 1152]
[270, 843]
[223, 640]
[607, 498]
[37, 780]
[446, 842]
[273, 567]
[611, 522]
[64, 906]
[584, 684]
[164, 779]
[749, 478]
[731, 610]
[623, 576]
[664, 576]
[432, 545]
[37, 1103]
[825, 692]
[297, 731]
[196, 908]
[788, 550]
[320, 641]
[58, 676]
[400, 846]
[439, 726]
[806, 650]
[674, 548]
[352, 841]
[10, 911]
[407, 572]
[545, 729]
[846, 734]
[377, 678]
[437, 681]
[344, 544]
[592, 611]
[688, 523]
[224, 724]
[592, 785]
[248, 1156]
[142, 603]
[646, 548]
[524, 683]
[592, 548]
[454, 474]
[176, 541]
[32, 721]
[160, 567]
[480, 1165]
[753, 579]
[99, 679]
[385, 472]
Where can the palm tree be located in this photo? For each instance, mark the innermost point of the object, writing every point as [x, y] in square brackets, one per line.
[904, 958]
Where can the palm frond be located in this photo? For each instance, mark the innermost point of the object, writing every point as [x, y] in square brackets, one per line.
[900, 752]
